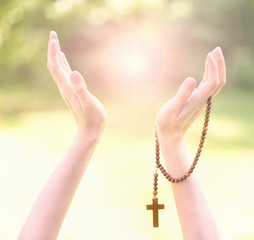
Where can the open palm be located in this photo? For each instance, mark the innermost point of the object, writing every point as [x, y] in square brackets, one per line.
[86, 108]
[176, 115]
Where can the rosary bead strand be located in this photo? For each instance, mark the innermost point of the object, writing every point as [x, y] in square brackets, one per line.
[155, 184]
[195, 161]
[155, 206]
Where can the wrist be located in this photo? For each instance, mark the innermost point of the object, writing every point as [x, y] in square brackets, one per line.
[174, 149]
[171, 139]
[91, 134]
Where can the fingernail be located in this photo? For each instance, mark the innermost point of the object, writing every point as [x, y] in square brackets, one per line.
[74, 74]
[53, 35]
[54, 41]
[191, 82]
[218, 49]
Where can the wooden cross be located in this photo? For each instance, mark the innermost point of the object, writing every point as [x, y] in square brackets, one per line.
[155, 207]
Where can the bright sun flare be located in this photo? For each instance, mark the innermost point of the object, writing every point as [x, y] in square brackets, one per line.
[133, 62]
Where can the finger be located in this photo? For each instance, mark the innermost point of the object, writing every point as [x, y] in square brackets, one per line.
[79, 87]
[53, 48]
[205, 76]
[61, 78]
[65, 63]
[54, 58]
[184, 92]
[218, 56]
[64, 86]
[52, 35]
[212, 82]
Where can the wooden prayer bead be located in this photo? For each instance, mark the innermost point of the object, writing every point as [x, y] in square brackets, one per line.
[194, 163]
[155, 205]
[169, 178]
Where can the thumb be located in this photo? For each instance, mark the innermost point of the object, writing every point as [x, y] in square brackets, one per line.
[184, 91]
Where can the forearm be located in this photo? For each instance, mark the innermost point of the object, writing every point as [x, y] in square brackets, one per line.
[193, 210]
[47, 215]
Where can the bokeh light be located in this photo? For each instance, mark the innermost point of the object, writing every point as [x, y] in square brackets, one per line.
[133, 55]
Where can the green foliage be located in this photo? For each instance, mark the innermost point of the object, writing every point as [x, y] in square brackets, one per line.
[25, 25]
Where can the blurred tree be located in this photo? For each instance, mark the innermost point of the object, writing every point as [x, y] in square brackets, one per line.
[25, 24]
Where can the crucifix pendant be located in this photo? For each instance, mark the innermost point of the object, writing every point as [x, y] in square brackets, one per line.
[155, 207]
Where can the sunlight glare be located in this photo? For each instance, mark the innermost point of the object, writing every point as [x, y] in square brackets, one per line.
[134, 63]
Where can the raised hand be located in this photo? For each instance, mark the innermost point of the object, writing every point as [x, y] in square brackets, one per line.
[172, 122]
[175, 117]
[50, 208]
[86, 108]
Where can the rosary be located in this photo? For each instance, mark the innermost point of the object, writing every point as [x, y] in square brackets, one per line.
[155, 206]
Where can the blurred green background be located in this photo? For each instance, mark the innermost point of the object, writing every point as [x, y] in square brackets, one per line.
[133, 55]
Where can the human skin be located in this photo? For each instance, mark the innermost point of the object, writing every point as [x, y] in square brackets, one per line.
[47, 215]
[172, 122]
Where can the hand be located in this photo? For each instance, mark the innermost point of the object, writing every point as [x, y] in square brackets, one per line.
[176, 116]
[86, 108]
